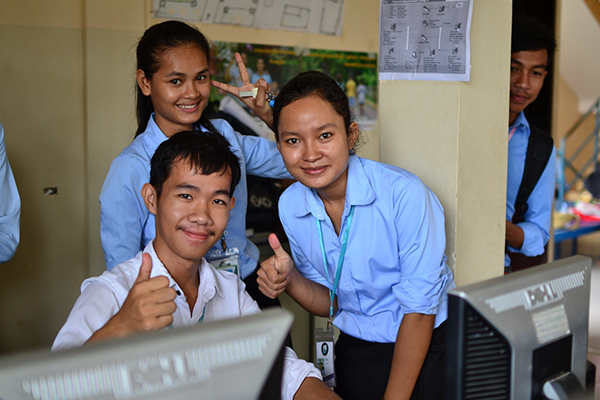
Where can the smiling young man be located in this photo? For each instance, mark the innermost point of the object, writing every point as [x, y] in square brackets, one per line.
[169, 283]
[531, 153]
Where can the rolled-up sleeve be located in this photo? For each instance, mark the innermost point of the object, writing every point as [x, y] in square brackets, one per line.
[421, 244]
[295, 371]
[10, 207]
[536, 228]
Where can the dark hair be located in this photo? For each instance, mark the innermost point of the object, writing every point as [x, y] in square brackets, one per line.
[529, 34]
[206, 152]
[312, 83]
[155, 42]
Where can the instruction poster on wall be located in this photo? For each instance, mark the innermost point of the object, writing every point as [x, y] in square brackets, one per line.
[312, 16]
[425, 40]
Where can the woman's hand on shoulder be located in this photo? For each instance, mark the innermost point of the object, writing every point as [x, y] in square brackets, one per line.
[258, 104]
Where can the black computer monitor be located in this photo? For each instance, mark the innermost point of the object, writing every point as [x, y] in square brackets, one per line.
[521, 336]
[238, 358]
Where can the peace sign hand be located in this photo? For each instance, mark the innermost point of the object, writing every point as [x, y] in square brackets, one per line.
[258, 104]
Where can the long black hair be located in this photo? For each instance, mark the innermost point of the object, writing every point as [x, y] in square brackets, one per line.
[151, 48]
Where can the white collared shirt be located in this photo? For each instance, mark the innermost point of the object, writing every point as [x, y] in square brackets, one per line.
[221, 295]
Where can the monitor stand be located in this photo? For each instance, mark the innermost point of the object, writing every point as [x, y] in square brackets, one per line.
[563, 387]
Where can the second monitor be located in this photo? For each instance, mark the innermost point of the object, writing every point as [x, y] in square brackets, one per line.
[522, 335]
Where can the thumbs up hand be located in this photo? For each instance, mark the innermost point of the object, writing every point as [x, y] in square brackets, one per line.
[148, 306]
[278, 274]
[273, 273]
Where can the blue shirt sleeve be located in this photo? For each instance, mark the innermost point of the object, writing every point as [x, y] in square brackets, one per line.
[262, 157]
[10, 206]
[266, 76]
[123, 213]
[419, 221]
[539, 212]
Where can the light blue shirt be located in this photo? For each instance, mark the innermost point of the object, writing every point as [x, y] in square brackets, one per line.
[394, 263]
[126, 226]
[235, 77]
[539, 213]
[265, 75]
[10, 206]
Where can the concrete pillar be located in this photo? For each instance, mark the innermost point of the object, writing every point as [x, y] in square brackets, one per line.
[453, 135]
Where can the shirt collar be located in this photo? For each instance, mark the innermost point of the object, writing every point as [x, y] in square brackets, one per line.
[153, 136]
[209, 287]
[521, 123]
[158, 268]
[358, 192]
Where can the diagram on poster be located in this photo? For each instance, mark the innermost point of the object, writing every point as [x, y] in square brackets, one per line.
[425, 40]
[314, 16]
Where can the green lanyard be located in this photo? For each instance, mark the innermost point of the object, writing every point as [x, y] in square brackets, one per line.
[338, 272]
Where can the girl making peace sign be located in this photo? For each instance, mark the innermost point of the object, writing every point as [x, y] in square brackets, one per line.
[173, 88]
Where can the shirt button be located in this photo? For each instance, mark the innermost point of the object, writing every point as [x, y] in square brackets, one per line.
[178, 292]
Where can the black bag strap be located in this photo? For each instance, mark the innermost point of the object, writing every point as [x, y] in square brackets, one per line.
[539, 150]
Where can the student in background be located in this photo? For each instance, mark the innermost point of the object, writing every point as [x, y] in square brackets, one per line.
[169, 283]
[531, 152]
[10, 206]
[232, 73]
[173, 88]
[377, 226]
[361, 90]
[350, 88]
[261, 72]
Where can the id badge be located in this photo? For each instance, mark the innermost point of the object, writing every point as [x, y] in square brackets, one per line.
[324, 354]
[226, 260]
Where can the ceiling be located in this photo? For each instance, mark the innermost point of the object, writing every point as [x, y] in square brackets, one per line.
[579, 50]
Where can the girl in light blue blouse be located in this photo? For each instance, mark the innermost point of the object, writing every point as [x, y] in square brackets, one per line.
[173, 88]
[368, 243]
